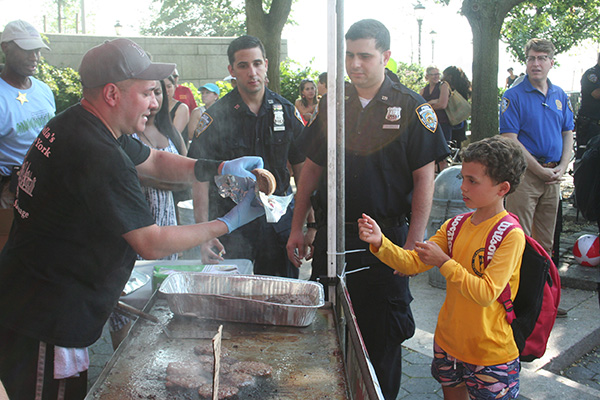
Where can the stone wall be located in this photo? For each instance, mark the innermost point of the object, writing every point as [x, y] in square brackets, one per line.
[199, 60]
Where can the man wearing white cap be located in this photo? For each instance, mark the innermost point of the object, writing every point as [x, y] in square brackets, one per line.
[81, 218]
[26, 104]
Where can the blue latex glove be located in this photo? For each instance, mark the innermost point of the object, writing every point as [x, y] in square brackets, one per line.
[246, 211]
[242, 166]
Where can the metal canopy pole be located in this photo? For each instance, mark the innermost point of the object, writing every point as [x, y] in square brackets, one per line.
[335, 142]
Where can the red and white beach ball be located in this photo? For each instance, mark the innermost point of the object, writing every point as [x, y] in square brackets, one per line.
[587, 250]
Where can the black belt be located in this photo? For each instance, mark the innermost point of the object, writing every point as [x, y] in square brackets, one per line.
[384, 223]
[548, 164]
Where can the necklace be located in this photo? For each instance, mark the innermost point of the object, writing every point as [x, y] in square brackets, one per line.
[149, 141]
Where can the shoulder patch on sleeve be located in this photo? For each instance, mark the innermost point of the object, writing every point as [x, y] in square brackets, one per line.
[593, 78]
[569, 104]
[205, 121]
[427, 117]
[504, 105]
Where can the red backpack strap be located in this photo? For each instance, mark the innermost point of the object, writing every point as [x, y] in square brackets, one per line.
[453, 227]
[497, 234]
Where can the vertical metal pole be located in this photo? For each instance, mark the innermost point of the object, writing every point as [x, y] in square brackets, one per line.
[331, 143]
[340, 140]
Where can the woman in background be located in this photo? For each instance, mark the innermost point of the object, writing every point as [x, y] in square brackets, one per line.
[180, 112]
[458, 81]
[437, 93]
[160, 134]
[307, 102]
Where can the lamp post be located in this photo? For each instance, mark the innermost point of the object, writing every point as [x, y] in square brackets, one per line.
[433, 33]
[118, 28]
[419, 13]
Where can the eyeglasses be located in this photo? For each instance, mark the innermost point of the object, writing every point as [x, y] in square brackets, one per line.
[531, 59]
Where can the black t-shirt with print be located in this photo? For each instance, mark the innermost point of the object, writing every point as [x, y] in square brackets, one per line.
[66, 263]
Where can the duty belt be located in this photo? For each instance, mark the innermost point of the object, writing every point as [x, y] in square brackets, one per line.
[384, 223]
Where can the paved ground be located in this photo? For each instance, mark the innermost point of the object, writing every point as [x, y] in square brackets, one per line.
[569, 370]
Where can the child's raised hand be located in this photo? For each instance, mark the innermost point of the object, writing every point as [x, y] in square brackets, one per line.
[430, 253]
[369, 231]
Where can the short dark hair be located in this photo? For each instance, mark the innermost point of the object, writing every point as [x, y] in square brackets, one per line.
[503, 159]
[242, 43]
[323, 77]
[370, 29]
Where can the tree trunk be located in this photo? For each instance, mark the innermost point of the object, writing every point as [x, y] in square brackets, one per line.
[268, 28]
[486, 18]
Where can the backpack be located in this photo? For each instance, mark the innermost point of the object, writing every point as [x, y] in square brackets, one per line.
[587, 181]
[533, 312]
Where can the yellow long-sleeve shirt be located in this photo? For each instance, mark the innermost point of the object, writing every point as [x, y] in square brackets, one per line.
[472, 325]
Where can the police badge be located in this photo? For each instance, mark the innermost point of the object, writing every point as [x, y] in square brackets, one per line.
[559, 106]
[393, 114]
[278, 119]
[427, 117]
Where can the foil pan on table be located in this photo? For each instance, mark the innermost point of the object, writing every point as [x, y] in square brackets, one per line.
[242, 298]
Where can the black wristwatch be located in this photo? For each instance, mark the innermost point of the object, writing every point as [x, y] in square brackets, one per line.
[311, 225]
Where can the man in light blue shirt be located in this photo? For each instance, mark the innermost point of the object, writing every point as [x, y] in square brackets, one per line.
[538, 115]
[26, 104]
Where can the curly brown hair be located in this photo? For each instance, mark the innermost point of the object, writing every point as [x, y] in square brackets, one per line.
[503, 159]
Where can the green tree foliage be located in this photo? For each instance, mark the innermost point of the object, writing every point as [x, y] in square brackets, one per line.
[411, 76]
[291, 73]
[197, 18]
[68, 15]
[565, 23]
[267, 26]
[64, 83]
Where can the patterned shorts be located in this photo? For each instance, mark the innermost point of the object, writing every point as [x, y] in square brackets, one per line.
[483, 382]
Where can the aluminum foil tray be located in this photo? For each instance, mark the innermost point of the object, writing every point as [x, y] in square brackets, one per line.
[242, 298]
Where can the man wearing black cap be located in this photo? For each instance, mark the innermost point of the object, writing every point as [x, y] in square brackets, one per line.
[81, 218]
[26, 104]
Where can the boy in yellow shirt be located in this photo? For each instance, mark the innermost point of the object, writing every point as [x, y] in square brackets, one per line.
[475, 354]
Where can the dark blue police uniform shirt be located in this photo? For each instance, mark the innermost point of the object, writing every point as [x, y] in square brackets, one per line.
[394, 135]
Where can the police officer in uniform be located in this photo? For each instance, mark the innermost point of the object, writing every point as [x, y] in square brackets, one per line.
[392, 143]
[250, 120]
[588, 118]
